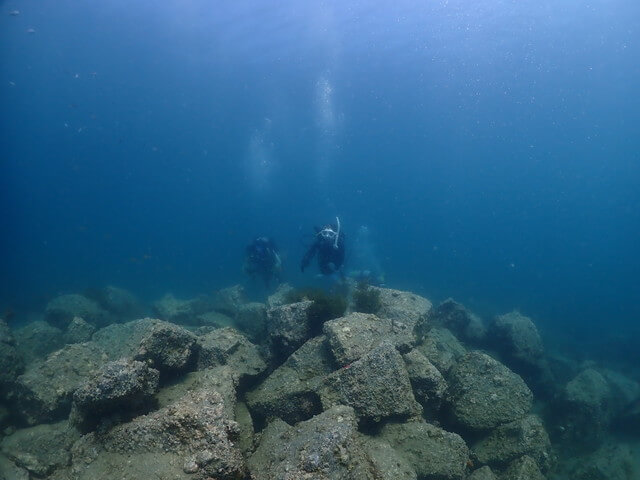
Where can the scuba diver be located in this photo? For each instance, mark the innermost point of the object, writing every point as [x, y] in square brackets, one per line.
[328, 245]
[261, 258]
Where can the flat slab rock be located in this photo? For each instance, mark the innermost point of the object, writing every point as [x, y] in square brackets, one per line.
[485, 394]
[401, 306]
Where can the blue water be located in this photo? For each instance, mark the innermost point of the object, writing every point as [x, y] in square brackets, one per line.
[492, 148]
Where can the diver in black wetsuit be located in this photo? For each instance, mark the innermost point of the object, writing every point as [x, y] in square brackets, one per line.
[261, 258]
[328, 245]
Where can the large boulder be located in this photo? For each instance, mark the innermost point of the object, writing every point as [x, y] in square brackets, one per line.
[402, 307]
[429, 386]
[289, 327]
[41, 449]
[11, 363]
[324, 447]
[61, 310]
[485, 394]
[435, 454]
[612, 461]
[280, 296]
[123, 339]
[291, 391]
[120, 303]
[377, 386]
[251, 319]
[44, 392]
[169, 348]
[119, 389]
[354, 335]
[229, 300]
[193, 436]
[523, 468]
[442, 349]
[482, 473]
[454, 317]
[510, 441]
[38, 339]
[184, 312]
[389, 463]
[227, 346]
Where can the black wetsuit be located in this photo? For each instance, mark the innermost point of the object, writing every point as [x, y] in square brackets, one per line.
[261, 258]
[330, 258]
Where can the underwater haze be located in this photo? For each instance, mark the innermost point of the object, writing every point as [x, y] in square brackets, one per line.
[491, 148]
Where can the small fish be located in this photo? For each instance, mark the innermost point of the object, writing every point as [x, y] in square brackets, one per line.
[31, 30]
[14, 13]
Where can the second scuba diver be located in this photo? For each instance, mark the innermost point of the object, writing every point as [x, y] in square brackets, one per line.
[328, 246]
[262, 258]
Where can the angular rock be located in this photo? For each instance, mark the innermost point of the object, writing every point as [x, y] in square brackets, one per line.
[10, 471]
[194, 429]
[524, 468]
[291, 391]
[482, 473]
[43, 393]
[456, 318]
[388, 463]
[170, 348]
[183, 312]
[229, 300]
[227, 346]
[122, 388]
[377, 386]
[41, 449]
[61, 310]
[485, 394]
[78, 331]
[442, 349]
[120, 303]
[402, 307]
[354, 335]
[38, 339]
[11, 363]
[123, 339]
[324, 447]
[429, 386]
[510, 441]
[289, 327]
[251, 319]
[609, 462]
[246, 437]
[212, 320]
[280, 296]
[432, 452]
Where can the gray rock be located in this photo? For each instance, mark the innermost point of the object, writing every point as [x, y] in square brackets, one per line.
[170, 348]
[279, 297]
[11, 363]
[377, 386]
[442, 349]
[288, 327]
[10, 471]
[123, 339]
[41, 449]
[229, 300]
[482, 473]
[624, 390]
[38, 339]
[213, 320]
[387, 462]
[354, 335]
[485, 394]
[510, 441]
[429, 386]
[435, 454]
[456, 318]
[43, 393]
[79, 331]
[609, 462]
[184, 312]
[524, 468]
[324, 447]
[402, 307]
[120, 303]
[291, 391]
[246, 434]
[61, 310]
[251, 319]
[121, 388]
[194, 429]
[585, 409]
[227, 346]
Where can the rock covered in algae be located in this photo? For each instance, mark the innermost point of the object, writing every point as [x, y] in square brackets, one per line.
[523, 468]
[442, 349]
[433, 452]
[485, 394]
[170, 348]
[429, 386]
[61, 310]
